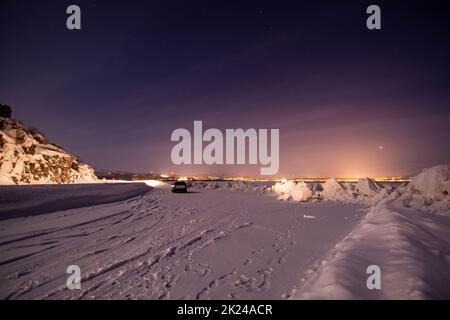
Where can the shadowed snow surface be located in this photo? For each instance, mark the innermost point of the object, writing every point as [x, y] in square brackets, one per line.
[22, 201]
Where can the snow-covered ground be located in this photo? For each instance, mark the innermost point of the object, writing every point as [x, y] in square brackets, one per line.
[22, 201]
[227, 240]
[199, 245]
[411, 248]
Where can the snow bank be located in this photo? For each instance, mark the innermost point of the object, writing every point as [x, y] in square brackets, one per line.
[334, 191]
[410, 247]
[433, 183]
[367, 187]
[428, 191]
[365, 192]
[301, 192]
[284, 187]
[398, 234]
[243, 186]
[289, 190]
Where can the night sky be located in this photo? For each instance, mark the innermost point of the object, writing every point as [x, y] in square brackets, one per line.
[348, 101]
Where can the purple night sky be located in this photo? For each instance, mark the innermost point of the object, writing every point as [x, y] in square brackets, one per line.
[348, 101]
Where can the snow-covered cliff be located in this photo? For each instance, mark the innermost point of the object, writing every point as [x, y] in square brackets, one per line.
[27, 157]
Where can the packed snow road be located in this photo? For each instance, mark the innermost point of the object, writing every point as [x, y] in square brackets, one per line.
[206, 244]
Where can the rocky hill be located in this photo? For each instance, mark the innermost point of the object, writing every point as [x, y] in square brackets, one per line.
[27, 157]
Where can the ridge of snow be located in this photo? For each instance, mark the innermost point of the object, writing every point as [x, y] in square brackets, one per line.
[399, 235]
[410, 247]
[427, 192]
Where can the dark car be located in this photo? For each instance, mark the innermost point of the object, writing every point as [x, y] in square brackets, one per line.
[179, 186]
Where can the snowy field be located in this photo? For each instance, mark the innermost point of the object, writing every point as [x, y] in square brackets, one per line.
[206, 244]
[228, 240]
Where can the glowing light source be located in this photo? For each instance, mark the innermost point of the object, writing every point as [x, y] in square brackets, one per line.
[152, 183]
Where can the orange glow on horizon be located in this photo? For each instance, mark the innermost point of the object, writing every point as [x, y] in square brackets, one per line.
[252, 179]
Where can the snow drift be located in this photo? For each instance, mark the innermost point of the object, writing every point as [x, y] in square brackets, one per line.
[428, 191]
[26, 157]
[290, 190]
[433, 183]
[367, 187]
[243, 186]
[366, 191]
[398, 234]
[334, 191]
[410, 247]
